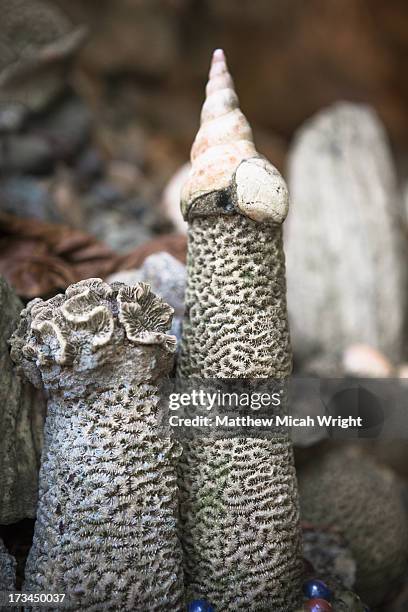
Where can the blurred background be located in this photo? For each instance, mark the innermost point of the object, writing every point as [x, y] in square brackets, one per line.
[109, 94]
[148, 61]
[113, 92]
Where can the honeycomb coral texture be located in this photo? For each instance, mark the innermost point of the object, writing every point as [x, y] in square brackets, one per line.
[235, 324]
[240, 515]
[106, 524]
[239, 506]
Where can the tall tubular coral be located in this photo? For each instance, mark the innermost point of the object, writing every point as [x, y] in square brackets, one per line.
[239, 506]
[106, 531]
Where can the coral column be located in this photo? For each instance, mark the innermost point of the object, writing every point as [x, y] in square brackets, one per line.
[239, 505]
[106, 530]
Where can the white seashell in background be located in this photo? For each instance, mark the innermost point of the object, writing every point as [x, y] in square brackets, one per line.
[170, 199]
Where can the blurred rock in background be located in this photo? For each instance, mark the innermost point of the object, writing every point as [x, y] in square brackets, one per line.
[22, 415]
[37, 44]
[346, 251]
[289, 58]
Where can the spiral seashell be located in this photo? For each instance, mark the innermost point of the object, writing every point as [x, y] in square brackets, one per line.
[225, 162]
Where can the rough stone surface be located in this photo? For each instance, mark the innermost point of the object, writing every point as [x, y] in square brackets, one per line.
[106, 529]
[328, 553]
[239, 509]
[7, 570]
[25, 196]
[167, 276]
[363, 501]
[344, 245]
[22, 411]
[36, 42]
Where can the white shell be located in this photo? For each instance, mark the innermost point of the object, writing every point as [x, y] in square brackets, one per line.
[223, 142]
[262, 194]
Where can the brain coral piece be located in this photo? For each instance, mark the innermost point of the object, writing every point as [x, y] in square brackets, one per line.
[166, 276]
[353, 494]
[239, 507]
[235, 324]
[22, 413]
[239, 517]
[106, 530]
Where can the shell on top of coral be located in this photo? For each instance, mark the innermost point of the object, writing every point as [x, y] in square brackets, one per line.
[235, 326]
[225, 162]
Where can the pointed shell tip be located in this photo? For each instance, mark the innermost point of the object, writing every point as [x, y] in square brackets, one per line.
[218, 64]
[219, 55]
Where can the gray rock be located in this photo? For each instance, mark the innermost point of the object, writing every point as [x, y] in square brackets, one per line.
[66, 126]
[344, 490]
[329, 554]
[345, 250]
[56, 135]
[25, 196]
[26, 153]
[119, 231]
[89, 166]
[36, 43]
[7, 570]
[400, 602]
[168, 277]
[22, 411]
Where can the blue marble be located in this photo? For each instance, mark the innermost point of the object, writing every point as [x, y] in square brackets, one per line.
[317, 589]
[200, 605]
